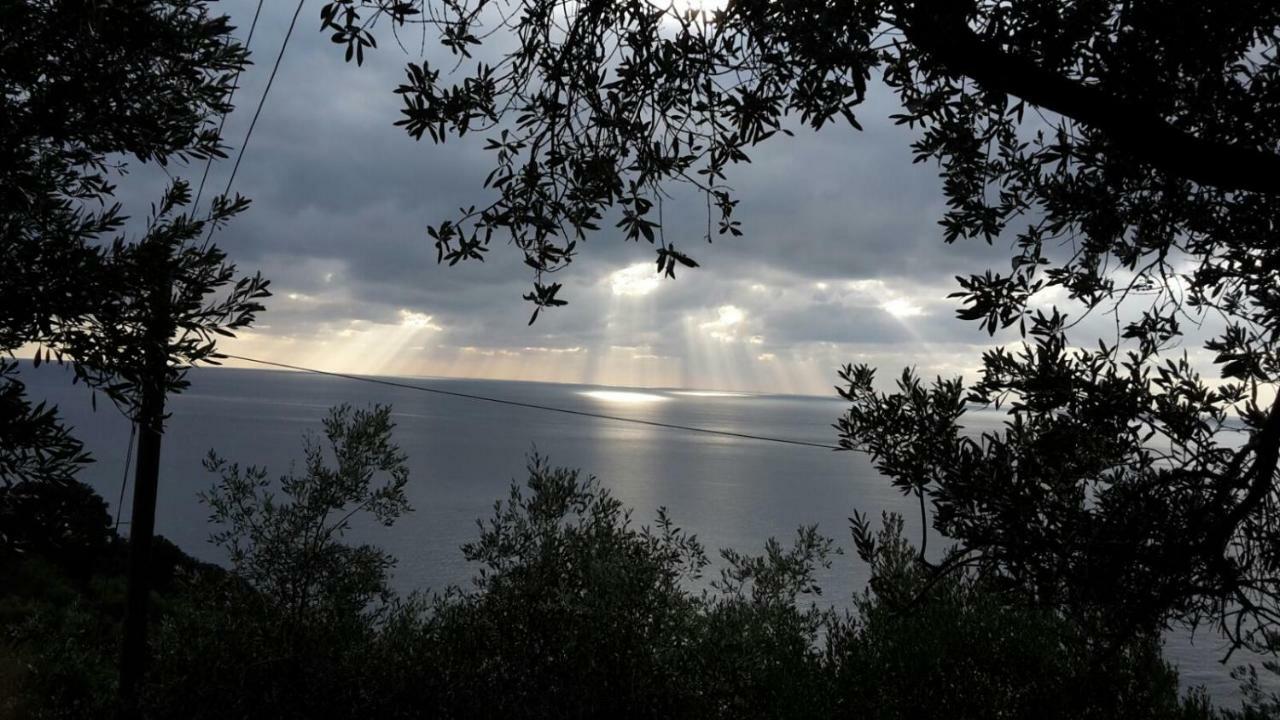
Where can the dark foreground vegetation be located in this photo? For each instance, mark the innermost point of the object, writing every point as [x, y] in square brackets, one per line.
[576, 610]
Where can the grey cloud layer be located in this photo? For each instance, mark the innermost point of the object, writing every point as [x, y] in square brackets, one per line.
[342, 198]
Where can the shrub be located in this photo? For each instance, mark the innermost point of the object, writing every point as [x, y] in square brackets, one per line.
[928, 645]
[62, 520]
[288, 633]
[575, 611]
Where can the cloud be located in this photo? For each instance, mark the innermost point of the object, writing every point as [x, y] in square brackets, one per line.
[842, 257]
[634, 280]
[726, 325]
[417, 320]
[901, 308]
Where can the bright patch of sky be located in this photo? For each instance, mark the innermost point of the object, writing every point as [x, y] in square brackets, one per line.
[417, 320]
[901, 308]
[634, 280]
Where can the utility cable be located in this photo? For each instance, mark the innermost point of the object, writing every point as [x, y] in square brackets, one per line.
[235, 85]
[262, 101]
[535, 406]
[124, 480]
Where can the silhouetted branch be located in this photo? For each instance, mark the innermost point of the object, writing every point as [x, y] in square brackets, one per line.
[940, 29]
[1266, 446]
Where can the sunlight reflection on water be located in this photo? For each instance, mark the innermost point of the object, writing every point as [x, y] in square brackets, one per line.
[623, 397]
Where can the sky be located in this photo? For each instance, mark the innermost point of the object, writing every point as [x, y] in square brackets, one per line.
[842, 259]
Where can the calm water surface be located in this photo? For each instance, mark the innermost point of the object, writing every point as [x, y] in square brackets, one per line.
[464, 454]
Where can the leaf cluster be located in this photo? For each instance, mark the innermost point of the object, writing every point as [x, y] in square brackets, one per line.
[86, 88]
[290, 549]
[1115, 490]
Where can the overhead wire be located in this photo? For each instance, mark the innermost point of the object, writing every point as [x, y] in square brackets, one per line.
[235, 85]
[124, 479]
[262, 101]
[535, 406]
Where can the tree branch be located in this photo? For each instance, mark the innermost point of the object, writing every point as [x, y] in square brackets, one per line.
[1266, 447]
[940, 29]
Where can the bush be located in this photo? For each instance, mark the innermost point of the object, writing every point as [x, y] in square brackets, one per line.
[289, 632]
[66, 657]
[575, 611]
[63, 520]
[923, 645]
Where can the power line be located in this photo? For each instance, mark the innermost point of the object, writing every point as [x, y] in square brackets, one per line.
[235, 85]
[124, 480]
[262, 101]
[536, 406]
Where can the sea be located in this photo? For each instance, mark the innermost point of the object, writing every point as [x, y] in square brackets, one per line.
[464, 454]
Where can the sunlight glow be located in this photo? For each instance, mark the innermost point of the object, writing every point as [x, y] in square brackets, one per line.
[623, 397]
[725, 327]
[555, 350]
[416, 320]
[730, 315]
[634, 280]
[900, 308]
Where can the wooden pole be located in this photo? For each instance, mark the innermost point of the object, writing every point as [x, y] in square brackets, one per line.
[143, 520]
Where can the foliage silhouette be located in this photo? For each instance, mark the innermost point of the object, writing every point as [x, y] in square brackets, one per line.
[290, 631]
[87, 87]
[1127, 152]
[291, 550]
[65, 522]
[575, 610]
